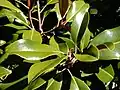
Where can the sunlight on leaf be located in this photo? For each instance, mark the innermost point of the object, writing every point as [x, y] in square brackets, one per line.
[35, 37]
[31, 50]
[4, 72]
[38, 68]
[85, 58]
[106, 75]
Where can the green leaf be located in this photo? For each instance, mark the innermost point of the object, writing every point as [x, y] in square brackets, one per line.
[1, 51]
[79, 24]
[93, 50]
[68, 41]
[56, 9]
[63, 47]
[31, 50]
[16, 26]
[93, 11]
[74, 9]
[32, 35]
[54, 85]
[4, 86]
[85, 39]
[106, 75]
[4, 72]
[39, 68]
[2, 42]
[52, 1]
[107, 54]
[85, 58]
[53, 43]
[36, 84]
[12, 15]
[109, 35]
[119, 65]
[7, 4]
[3, 57]
[77, 84]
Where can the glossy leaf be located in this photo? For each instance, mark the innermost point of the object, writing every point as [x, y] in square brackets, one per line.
[85, 39]
[110, 35]
[39, 68]
[32, 35]
[4, 86]
[110, 45]
[68, 41]
[107, 54]
[74, 9]
[2, 42]
[85, 58]
[31, 50]
[7, 4]
[54, 85]
[106, 75]
[53, 43]
[12, 15]
[36, 84]
[77, 84]
[93, 50]
[77, 28]
[4, 72]
[16, 26]
[8, 14]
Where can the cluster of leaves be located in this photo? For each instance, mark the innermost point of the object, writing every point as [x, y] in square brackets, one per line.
[56, 55]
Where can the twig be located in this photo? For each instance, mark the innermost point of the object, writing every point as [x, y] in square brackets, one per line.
[22, 4]
[30, 19]
[39, 18]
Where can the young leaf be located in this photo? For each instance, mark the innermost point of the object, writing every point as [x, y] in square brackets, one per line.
[56, 9]
[106, 75]
[74, 9]
[2, 42]
[38, 68]
[7, 4]
[31, 50]
[4, 72]
[77, 84]
[53, 43]
[32, 35]
[85, 58]
[54, 85]
[69, 42]
[85, 39]
[79, 23]
[109, 35]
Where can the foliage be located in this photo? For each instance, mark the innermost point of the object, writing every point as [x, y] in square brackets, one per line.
[54, 52]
